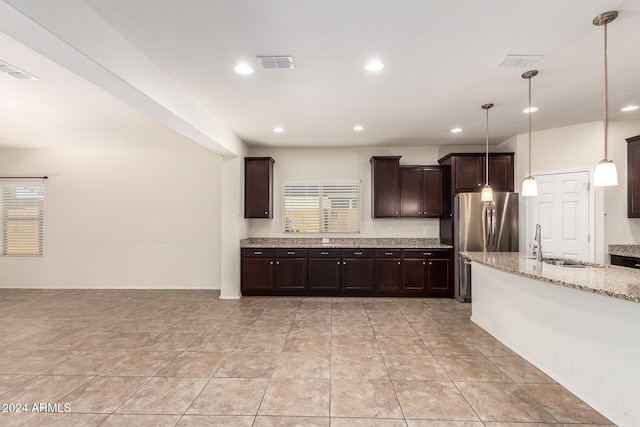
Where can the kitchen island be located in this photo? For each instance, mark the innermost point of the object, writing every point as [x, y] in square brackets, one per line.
[580, 325]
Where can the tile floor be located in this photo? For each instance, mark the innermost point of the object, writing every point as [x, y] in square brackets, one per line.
[186, 358]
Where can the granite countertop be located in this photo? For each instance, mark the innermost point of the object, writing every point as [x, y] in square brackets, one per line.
[305, 242]
[613, 281]
[625, 250]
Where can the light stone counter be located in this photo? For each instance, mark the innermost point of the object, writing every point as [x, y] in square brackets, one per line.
[613, 281]
[625, 250]
[305, 242]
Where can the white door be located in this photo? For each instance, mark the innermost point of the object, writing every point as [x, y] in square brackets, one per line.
[562, 208]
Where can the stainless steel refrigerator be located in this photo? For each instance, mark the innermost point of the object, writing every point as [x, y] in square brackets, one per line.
[481, 227]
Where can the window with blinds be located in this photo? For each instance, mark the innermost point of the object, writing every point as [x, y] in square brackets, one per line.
[321, 207]
[22, 207]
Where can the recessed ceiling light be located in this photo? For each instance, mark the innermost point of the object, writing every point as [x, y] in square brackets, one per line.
[278, 129]
[358, 128]
[630, 108]
[374, 66]
[243, 69]
[530, 110]
[456, 130]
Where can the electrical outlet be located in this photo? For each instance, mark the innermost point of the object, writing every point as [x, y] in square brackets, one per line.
[390, 229]
[425, 229]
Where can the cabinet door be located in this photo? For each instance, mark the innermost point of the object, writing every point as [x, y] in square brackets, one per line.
[439, 276]
[358, 274]
[410, 192]
[385, 187]
[413, 275]
[500, 172]
[633, 177]
[257, 275]
[388, 270]
[468, 173]
[432, 192]
[258, 187]
[325, 273]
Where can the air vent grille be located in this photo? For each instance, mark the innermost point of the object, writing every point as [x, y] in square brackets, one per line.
[518, 60]
[15, 72]
[276, 62]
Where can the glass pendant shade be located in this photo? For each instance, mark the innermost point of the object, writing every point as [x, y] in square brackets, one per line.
[487, 194]
[606, 174]
[529, 187]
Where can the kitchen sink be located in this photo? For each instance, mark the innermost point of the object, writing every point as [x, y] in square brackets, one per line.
[564, 263]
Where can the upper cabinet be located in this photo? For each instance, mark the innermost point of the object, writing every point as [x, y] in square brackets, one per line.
[421, 191]
[258, 187]
[467, 171]
[385, 185]
[633, 177]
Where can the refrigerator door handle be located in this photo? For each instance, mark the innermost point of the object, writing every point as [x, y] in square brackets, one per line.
[487, 227]
[494, 214]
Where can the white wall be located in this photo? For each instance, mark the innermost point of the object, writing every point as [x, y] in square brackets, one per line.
[581, 147]
[343, 164]
[123, 218]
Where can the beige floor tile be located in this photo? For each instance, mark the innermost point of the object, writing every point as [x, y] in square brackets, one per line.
[303, 365]
[261, 343]
[66, 420]
[308, 344]
[37, 362]
[401, 345]
[296, 397]
[216, 342]
[430, 423]
[123, 341]
[358, 366]
[490, 346]
[248, 365]
[503, 402]
[347, 327]
[140, 363]
[9, 382]
[353, 398]
[128, 420]
[519, 370]
[88, 363]
[273, 421]
[103, 394]
[230, 396]
[471, 368]
[44, 388]
[563, 405]
[194, 326]
[169, 342]
[450, 345]
[216, 420]
[382, 327]
[193, 364]
[162, 395]
[354, 344]
[366, 422]
[433, 401]
[414, 367]
[14, 419]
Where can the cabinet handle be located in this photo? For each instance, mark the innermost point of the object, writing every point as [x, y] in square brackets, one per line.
[398, 262]
[426, 253]
[424, 263]
[324, 253]
[277, 262]
[637, 265]
[257, 252]
[430, 263]
[357, 253]
[344, 263]
[338, 262]
[388, 253]
[266, 213]
[291, 253]
[271, 263]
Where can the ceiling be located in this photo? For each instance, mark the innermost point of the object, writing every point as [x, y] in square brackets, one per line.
[117, 70]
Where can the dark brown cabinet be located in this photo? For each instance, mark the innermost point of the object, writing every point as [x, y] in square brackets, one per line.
[325, 270]
[389, 270]
[291, 270]
[633, 177]
[258, 187]
[468, 171]
[385, 184]
[421, 191]
[333, 271]
[427, 271]
[625, 261]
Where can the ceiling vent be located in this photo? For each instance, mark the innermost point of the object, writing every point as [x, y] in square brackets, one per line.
[15, 72]
[276, 62]
[518, 60]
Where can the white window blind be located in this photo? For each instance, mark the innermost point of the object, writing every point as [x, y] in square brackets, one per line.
[22, 206]
[321, 207]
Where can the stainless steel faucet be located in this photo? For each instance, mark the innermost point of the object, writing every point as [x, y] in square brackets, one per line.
[538, 244]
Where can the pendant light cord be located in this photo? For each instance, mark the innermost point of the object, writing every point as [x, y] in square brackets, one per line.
[486, 166]
[530, 113]
[606, 95]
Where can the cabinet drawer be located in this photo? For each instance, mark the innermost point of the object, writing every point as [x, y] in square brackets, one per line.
[357, 253]
[324, 253]
[625, 261]
[426, 253]
[258, 252]
[293, 253]
[388, 253]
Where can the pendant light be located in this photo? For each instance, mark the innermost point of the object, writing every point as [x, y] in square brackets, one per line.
[529, 185]
[487, 192]
[606, 173]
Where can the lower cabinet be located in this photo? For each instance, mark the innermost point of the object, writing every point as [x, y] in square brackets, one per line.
[335, 272]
